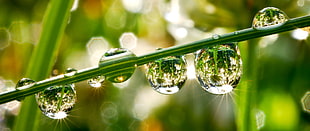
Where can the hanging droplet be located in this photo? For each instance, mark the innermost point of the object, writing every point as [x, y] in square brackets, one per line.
[167, 75]
[269, 18]
[96, 81]
[70, 72]
[56, 101]
[118, 53]
[219, 68]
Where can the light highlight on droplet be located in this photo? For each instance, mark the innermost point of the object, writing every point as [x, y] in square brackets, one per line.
[96, 81]
[300, 34]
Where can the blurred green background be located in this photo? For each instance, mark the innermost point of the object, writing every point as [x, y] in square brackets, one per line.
[277, 67]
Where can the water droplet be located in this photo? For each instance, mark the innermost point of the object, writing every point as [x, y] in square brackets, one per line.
[56, 101]
[236, 32]
[70, 72]
[219, 68]
[167, 75]
[23, 82]
[117, 53]
[215, 36]
[269, 18]
[96, 81]
[305, 101]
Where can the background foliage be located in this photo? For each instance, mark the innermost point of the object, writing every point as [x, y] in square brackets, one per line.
[276, 67]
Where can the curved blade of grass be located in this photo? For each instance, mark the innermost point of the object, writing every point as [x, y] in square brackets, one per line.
[42, 60]
[118, 65]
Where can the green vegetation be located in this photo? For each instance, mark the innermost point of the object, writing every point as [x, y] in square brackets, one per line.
[275, 69]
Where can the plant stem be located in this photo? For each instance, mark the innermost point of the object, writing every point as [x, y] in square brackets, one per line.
[124, 63]
[42, 60]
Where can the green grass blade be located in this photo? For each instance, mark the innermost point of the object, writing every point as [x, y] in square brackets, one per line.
[42, 60]
[118, 65]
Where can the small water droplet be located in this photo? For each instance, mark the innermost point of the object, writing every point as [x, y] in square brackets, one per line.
[269, 18]
[116, 53]
[167, 75]
[236, 32]
[215, 36]
[219, 68]
[70, 72]
[96, 81]
[56, 101]
[23, 82]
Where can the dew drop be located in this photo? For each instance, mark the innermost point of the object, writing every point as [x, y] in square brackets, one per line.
[96, 81]
[215, 36]
[219, 68]
[118, 53]
[269, 18]
[56, 101]
[70, 72]
[167, 75]
[23, 82]
[236, 32]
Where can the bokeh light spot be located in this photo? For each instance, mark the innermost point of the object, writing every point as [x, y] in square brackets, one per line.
[306, 102]
[4, 38]
[128, 40]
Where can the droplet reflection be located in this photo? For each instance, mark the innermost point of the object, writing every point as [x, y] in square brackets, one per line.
[269, 18]
[219, 68]
[167, 75]
[56, 101]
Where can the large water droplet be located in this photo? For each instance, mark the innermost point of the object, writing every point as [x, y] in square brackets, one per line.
[96, 81]
[117, 53]
[269, 18]
[56, 101]
[219, 68]
[167, 75]
[70, 72]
